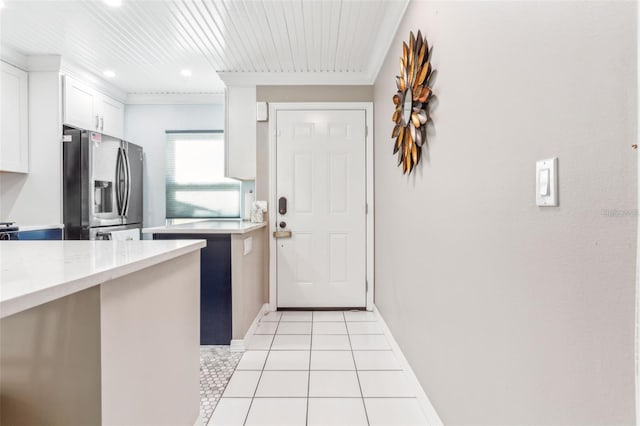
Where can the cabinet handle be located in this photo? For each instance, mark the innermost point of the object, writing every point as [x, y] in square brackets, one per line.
[97, 122]
[101, 123]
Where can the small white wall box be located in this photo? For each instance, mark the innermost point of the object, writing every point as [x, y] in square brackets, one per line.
[262, 111]
[547, 182]
[248, 245]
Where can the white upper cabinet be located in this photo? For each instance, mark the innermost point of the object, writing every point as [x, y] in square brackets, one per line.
[111, 114]
[14, 119]
[89, 109]
[240, 132]
[78, 103]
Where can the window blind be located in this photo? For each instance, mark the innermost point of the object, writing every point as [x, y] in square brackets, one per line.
[195, 184]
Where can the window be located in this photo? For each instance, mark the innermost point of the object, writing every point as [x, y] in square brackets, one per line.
[195, 183]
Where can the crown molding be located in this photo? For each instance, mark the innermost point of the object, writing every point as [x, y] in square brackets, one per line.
[175, 98]
[44, 63]
[13, 57]
[71, 69]
[294, 78]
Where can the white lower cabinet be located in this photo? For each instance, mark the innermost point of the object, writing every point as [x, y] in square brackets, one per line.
[14, 119]
[89, 109]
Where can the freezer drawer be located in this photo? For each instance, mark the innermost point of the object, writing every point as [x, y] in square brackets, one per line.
[104, 233]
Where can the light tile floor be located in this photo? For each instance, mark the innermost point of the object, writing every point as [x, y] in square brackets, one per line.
[318, 369]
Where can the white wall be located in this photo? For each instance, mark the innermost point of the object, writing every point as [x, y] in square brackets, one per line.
[145, 125]
[36, 198]
[511, 313]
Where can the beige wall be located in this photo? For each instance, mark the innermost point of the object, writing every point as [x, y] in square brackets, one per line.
[510, 313]
[249, 280]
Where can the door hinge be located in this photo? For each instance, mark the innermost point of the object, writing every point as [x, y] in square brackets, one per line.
[366, 131]
[366, 286]
[366, 208]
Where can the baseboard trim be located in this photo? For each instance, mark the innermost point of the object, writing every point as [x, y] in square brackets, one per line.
[433, 419]
[237, 345]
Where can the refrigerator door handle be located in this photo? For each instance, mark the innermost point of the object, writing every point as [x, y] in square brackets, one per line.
[119, 198]
[127, 167]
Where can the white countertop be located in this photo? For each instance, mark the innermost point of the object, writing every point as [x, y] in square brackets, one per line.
[36, 272]
[207, 227]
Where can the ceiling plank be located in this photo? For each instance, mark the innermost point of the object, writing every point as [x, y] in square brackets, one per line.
[147, 42]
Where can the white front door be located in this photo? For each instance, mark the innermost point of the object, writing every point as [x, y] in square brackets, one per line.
[321, 173]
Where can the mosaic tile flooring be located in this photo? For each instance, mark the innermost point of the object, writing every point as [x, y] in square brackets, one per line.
[217, 364]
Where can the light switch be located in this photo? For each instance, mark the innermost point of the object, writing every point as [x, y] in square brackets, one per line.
[543, 181]
[262, 111]
[547, 182]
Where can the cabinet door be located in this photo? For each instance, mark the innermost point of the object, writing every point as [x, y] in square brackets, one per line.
[111, 116]
[79, 103]
[14, 126]
[240, 132]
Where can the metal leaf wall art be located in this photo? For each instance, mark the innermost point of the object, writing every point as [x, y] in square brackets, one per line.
[412, 99]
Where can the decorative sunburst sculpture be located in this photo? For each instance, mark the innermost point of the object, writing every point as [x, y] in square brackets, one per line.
[411, 113]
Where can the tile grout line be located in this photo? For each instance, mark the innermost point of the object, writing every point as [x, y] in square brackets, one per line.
[358, 377]
[255, 391]
[309, 372]
[323, 369]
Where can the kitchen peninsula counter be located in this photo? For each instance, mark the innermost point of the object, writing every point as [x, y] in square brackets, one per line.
[36, 272]
[99, 332]
[233, 275]
[207, 227]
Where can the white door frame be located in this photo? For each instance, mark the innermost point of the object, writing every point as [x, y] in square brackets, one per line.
[636, 354]
[299, 106]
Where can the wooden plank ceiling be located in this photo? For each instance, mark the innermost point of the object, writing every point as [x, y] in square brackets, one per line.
[148, 43]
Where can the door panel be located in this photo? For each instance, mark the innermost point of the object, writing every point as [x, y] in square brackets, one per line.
[134, 213]
[112, 119]
[302, 184]
[104, 185]
[321, 170]
[79, 110]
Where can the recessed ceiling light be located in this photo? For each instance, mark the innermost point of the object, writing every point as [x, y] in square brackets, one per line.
[114, 3]
[109, 74]
[186, 73]
[1, 4]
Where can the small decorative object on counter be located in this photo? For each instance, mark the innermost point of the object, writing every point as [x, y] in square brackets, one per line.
[257, 216]
[257, 211]
[411, 102]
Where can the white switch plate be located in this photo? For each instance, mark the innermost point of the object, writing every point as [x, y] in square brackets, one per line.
[248, 245]
[547, 182]
[262, 111]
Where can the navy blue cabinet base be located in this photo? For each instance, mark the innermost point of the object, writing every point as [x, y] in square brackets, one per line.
[41, 234]
[215, 286]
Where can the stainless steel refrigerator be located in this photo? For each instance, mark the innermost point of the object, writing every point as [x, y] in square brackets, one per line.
[102, 185]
